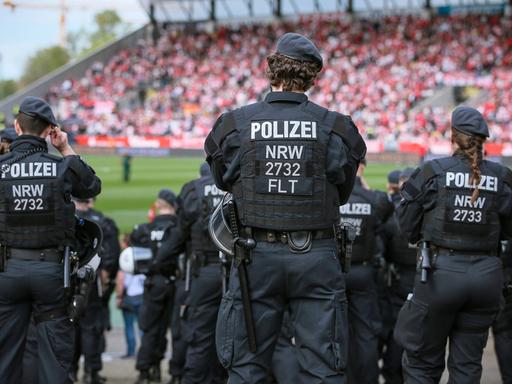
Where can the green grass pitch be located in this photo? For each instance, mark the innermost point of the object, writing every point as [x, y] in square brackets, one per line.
[128, 203]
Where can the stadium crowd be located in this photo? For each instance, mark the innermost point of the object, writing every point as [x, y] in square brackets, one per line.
[376, 70]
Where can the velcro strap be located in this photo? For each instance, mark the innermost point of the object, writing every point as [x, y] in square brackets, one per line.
[355, 142]
[428, 171]
[410, 190]
[50, 315]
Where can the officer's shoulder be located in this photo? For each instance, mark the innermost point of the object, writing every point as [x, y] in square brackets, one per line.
[504, 172]
[249, 110]
[53, 157]
[188, 188]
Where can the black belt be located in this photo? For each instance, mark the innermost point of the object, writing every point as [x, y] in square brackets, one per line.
[50, 254]
[453, 252]
[275, 236]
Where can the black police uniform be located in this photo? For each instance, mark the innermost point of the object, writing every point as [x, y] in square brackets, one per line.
[92, 325]
[198, 200]
[289, 164]
[36, 221]
[461, 296]
[502, 326]
[156, 309]
[179, 337]
[366, 211]
[401, 271]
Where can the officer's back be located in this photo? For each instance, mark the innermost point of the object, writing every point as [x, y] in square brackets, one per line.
[36, 222]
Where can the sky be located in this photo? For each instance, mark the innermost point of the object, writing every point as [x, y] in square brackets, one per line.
[27, 30]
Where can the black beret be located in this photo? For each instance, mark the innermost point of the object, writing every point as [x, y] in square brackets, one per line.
[470, 121]
[204, 170]
[298, 47]
[38, 108]
[406, 173]
[8, 134]
[168, 196]
[394, 176]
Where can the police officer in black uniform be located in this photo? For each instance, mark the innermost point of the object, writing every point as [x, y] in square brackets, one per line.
[198, 200]
[401, 271]
[365, 211]
[92, 325]
[289, 164]
[458, 207]
[36, 223]
[156, 309]
[502, 327]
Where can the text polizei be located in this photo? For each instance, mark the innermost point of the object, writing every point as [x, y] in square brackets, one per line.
[462, 180]
[279, 129]
[32, 169]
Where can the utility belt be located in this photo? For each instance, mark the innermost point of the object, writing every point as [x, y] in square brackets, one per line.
[49, 254]
[440, 251]
[270, 236]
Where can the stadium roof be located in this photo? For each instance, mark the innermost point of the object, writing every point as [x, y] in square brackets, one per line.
[236, 10]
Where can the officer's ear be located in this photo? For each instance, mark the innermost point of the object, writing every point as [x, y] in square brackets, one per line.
[17, 128]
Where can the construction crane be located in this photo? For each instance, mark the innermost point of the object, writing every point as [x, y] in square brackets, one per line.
[62, 6]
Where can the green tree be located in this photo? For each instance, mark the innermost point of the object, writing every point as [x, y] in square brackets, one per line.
[7, 87]
[107, 25]
[43, 62]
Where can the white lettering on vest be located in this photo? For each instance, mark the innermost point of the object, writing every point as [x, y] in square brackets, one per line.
[276, 129]
[462, 180]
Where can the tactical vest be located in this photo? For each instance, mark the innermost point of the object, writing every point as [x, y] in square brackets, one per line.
[35, 206]
[209, 196]
[282, 184]
[456, 223]
[359, 212]
[159, 231]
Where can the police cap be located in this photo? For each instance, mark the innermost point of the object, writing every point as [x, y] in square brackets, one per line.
[469, 121]
[168, 196]
[394, 176]
[204, 170]
[298, 47]
[38, 108]
[8, 134]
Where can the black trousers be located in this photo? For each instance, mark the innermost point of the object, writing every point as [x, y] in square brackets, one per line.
[364, 324]
[154, 320]
[392, 353]
[179, 344]
[312, 286]
[458, 304]
[26, 287]
[502, 331]
[202, 304]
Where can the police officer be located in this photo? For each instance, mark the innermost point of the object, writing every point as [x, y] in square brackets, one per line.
[154, 316]
[7, 136]
[289, 164]
[198, 200]
[502, 327]
[36, 223]
[365, 211]
[458, 207]
[401, 260]
[92, 325]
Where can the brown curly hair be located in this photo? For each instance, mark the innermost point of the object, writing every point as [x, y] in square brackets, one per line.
[471, 147]
[292, 75]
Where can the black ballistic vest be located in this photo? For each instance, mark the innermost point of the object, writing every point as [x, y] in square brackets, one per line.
[360, 212]
[35, 205]
[282, 184]
[456, 223]
[208, 197]
[159, 230]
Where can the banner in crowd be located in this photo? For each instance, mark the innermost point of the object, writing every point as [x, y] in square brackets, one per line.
[435, 147]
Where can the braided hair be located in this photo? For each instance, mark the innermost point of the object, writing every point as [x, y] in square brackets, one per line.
[471, 147]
